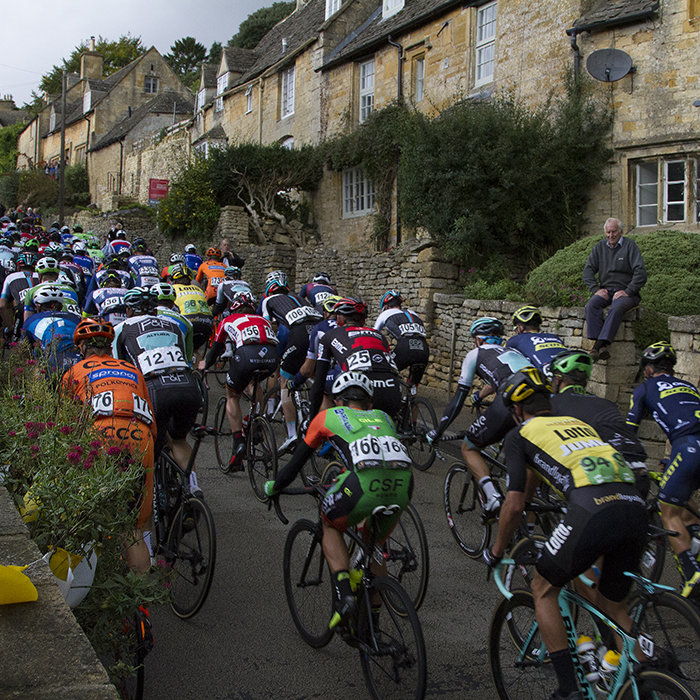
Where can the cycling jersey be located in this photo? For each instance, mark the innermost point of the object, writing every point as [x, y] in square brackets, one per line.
[491, 363]
[319, 330]
[107, 303]
[288, 310]
[144, 270]
[16, 286]
[54, 333]
[226, 290]
[116, 246]
[86, 264]
[673, 403]
[102, 272]
[213, 272]
[539, 348]
[70, 297]
[245, 329]
[193, 261]
[400, 323]
[316, 294]
[185, 326]
[192, 303]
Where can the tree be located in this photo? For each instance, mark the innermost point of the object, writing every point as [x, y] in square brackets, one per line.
[259, 23]
[215, 53]
[8, 146]
[185, 56]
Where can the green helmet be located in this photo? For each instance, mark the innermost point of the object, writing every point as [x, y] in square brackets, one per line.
[568, 361]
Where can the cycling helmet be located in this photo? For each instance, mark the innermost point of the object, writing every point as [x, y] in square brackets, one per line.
[213, 253]
[525, 383]
[241, 299]
[138, 245]
[6, 242]
[54, 247]
[93, 328]
[80, 248]
[55, 236]
[28, 259]
[164, 291]
[568, 361]
[67, 279]
[487, 327]
[278, 275]
[48, 294]
[32, 245]
[191, 248]
[526, 315]
[113, 262]
[47, 265]
[391, 295]
[111, 279]
[77, 228]
[347, 307]
[232, 273]
[321, 278]
[9, 265]
[176, 258]
[65, 229]
[139, 299]
[179, 271]
[124, 253]
[659, 354]
[329, 302]
[352, 385]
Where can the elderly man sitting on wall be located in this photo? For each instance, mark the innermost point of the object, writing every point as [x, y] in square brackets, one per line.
[621, 273]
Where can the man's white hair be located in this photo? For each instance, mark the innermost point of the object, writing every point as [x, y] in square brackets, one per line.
[618, 223]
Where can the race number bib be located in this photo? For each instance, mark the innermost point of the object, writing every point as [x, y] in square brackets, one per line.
[148, 271]
[377, 452]
[411, 329]
[359, 361]
[141, 409]
[103, 404]
[321, 297]
[299, 314]
[215, 281]
[250, 334]
[161, 358]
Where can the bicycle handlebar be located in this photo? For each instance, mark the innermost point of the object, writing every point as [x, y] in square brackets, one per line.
[317, 491]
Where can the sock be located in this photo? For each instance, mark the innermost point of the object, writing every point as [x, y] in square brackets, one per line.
[688, 564]
[564, 668]
[693, 529]
[238, 437]
[341, 584]
[291, 428]
[193, 482]
[489, 489]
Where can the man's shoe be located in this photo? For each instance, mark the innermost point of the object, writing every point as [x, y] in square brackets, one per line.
[595, 354]
[236, 463]
[604, 354]
[492, 507]
[691, 589]
[287, 444]
[344, 611]
[197, 493]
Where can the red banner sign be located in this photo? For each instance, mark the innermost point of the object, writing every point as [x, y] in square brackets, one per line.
[158, 189]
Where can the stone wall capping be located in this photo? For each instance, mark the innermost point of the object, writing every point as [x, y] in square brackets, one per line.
[684, 324]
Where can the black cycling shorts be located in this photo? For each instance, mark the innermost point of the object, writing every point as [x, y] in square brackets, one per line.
[247, 360]
[414, 353]
[201, 331]
[295, 352]
[682, 475]
[176, 400]
[387, 392]
[615, 530]
[491, 426]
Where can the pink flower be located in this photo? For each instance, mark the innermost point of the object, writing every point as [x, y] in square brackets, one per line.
[50, 424]
[66, 430]
[13, 344]
[95, 443]
[12, 433]
[16, 397]
[34, 449]
[88, 463]
[32, 434]
[113, 450]
[73, 457]
[19, 370]
[31, 362]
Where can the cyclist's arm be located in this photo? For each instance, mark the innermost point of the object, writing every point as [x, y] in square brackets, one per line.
[637, 407]
[453, 408]
[508, 521]
[486, 390]
[315, 436]
[213, 355]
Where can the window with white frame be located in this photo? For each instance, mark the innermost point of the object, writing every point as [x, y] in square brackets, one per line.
[366, 89]
[150, 84]
[485, 43]
[52, 121]
[332, 6]
[647, 194]
[358, 193]
[201, 99]
[249, 99]
[202, 149]
[288, 143]
[221, 85]
[391, 7]
[674, 190]
[287, 93]
[419, 71]
[87, 101]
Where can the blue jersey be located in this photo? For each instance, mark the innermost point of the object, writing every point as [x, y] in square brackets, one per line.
[673, 403]
[319, 330]
[316, 294]
[54, 333]
[127, 281]
[107, 303]
[539, 348]
[144, 270]
[193, 261]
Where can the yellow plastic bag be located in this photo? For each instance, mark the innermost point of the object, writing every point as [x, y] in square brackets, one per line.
[15, 587]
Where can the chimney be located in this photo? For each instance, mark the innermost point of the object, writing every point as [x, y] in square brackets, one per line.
[284, 45]
[91, 62]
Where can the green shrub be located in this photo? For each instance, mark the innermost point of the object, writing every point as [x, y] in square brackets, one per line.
[9, 184]
[651, 327]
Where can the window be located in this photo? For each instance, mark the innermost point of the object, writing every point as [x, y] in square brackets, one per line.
[419, 73]
[674, 191]
[151, 84]
[52, 121]
[221, 85]
[202, 149]
[366, 89]
[87, 101]
[287, 96]
[485, 43]
[332, 6]
[201, 99]
[249, 99]
[647, 194]
[288, 143]
[358, 193]
[391, 7]
[80, 155]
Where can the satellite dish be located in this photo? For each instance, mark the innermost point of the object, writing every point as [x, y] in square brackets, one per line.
[609, 65]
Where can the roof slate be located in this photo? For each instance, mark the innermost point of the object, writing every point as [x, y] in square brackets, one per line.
[216, 133]
[616, 12]
[240, 60]
[209, 71]
[8, 117]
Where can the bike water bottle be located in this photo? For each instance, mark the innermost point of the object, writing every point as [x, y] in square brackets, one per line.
[585, 649]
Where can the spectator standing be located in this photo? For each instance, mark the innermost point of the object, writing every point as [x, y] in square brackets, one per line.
[621, 273]
[228, 256]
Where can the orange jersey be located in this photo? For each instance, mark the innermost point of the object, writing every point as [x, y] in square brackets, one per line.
[213, 272]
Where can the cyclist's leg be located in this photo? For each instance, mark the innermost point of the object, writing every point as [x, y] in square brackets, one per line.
[292, 360]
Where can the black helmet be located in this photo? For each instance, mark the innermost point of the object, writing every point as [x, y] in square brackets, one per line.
[140, 299]
[487, 327]
[348, 307]
[525, 383]
[527, 315]
[661, 354]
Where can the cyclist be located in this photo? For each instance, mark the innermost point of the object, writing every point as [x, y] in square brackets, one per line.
[156, 345]
[211, 273]
[570, 370]
[192, 259]
[142, 266]
[407, 329]
[48, 271]
[355, 347]
[81, 257]
[675, 406]
[14, 289]
[494, 364]
[318, 290]
[255, 351]
[165, 306]
[228, 288]
[293, 314]
[366, 440]
[540, 348]
[108, 301]
[112, 263]
[605, 516]
[174, 259]
[122, 413]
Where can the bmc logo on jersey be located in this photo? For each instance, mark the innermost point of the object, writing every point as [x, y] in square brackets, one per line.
[338, 345]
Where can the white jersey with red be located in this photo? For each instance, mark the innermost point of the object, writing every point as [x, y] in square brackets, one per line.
[246, 329]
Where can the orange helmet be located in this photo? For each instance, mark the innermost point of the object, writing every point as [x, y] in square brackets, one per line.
[93, 328]
[214, 253]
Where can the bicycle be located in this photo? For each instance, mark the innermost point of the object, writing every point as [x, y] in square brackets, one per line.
[390, 645]
[415, 419]
[520, 665]
[183, 531]
[260, 458]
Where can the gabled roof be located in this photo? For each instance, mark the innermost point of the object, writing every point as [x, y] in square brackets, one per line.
[239, 60]
[375, 31]
[8, 117]
[610, 13]
[100, 85]
[161, 104]
[216, 133]
[209, 71]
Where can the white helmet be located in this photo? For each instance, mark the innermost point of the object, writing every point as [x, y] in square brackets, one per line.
[80, 248]
[47, 294]
[348, 380]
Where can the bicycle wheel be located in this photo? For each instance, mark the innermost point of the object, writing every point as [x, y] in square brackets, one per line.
[203, 412]
[673, 623]
[124, 664]
[654, 557]
[407, 559]
[307, 583]
[392, 653]
[520, 666]
[656, 685]
[421, 452]
[464, 511]
[192, 546]
[223, 439]
[330, 473]
[262, 456]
